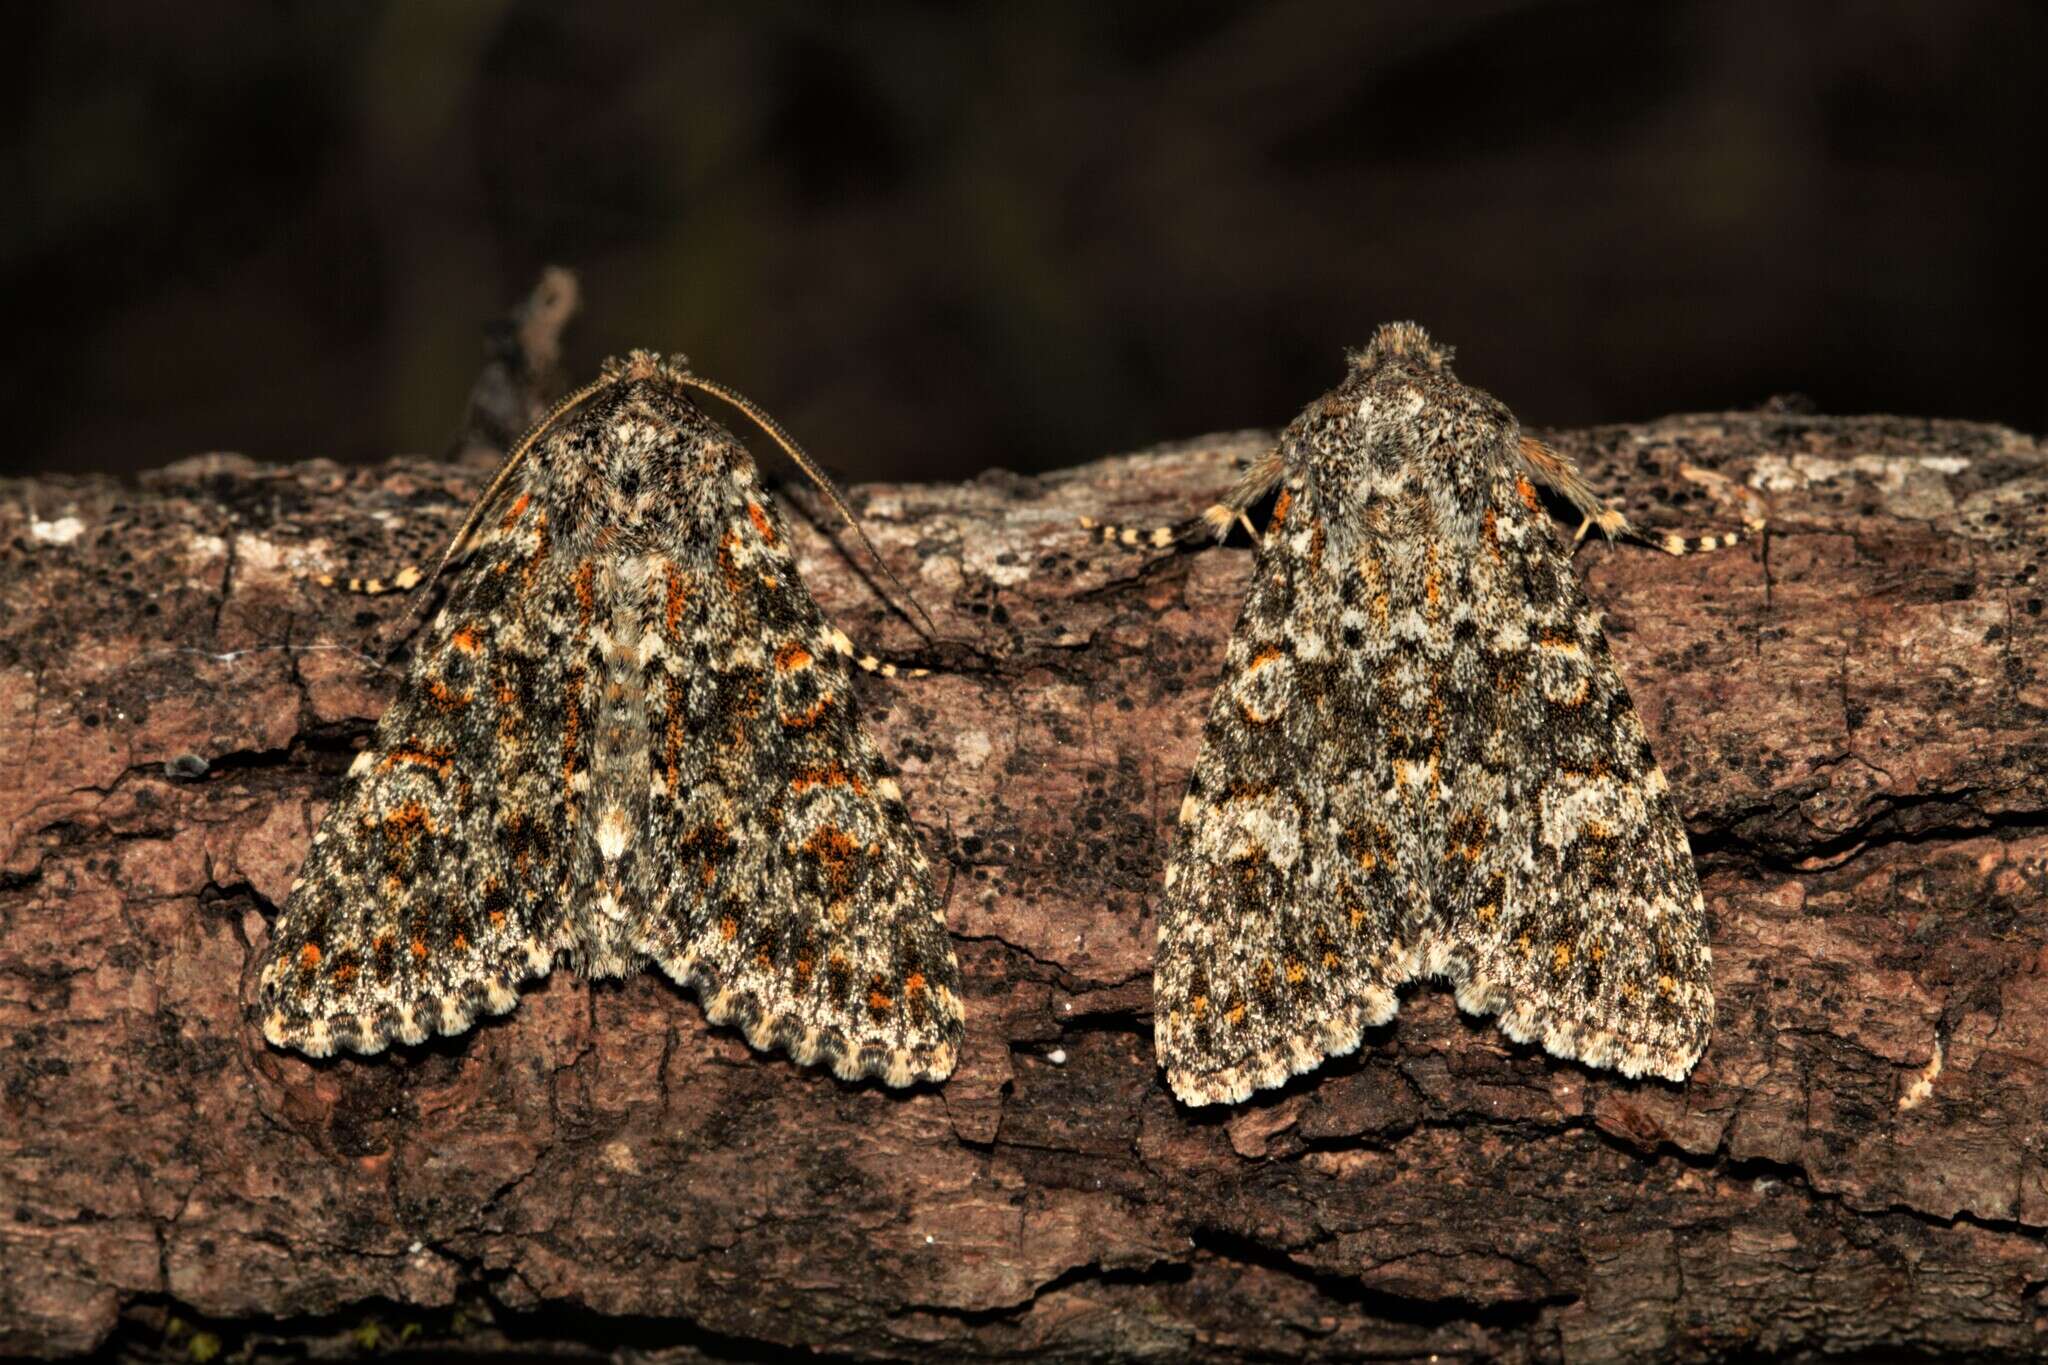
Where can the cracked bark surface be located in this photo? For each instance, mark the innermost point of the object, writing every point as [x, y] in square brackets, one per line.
[1853, 711]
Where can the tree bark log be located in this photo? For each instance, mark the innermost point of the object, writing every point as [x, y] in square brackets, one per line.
[1852, 708]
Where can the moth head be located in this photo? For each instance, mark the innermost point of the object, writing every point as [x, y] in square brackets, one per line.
[673, 367]
[1404, 342]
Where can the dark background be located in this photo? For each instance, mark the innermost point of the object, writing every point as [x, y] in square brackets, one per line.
[936, 238]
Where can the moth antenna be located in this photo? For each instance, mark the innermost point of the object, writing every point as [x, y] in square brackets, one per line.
[817, 476]
[506, 469]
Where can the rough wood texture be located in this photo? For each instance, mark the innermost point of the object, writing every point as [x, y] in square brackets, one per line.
[1854, 713]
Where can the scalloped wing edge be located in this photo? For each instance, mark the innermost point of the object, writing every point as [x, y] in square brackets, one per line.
[813, 1045]
[370, 1032]
[1523, 1021]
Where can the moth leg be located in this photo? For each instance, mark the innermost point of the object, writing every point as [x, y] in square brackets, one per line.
[1215, 521]
[1751, 503]
[868, 662]
[1553, 470]
[1672, 543]
[1158, 538]
[405, 580]
[1258, 480]
[1223, 527]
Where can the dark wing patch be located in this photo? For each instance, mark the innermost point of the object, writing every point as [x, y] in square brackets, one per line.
[802, 909]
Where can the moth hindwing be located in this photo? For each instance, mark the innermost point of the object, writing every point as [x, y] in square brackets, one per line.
[629, 736]
[1420, 761]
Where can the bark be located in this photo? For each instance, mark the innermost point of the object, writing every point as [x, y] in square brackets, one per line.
[1851, 710]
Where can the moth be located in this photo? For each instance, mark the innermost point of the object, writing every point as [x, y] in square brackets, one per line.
[629, 736]
[1421, 762]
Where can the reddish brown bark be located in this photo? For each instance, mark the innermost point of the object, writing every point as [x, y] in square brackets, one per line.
[1853, 711]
